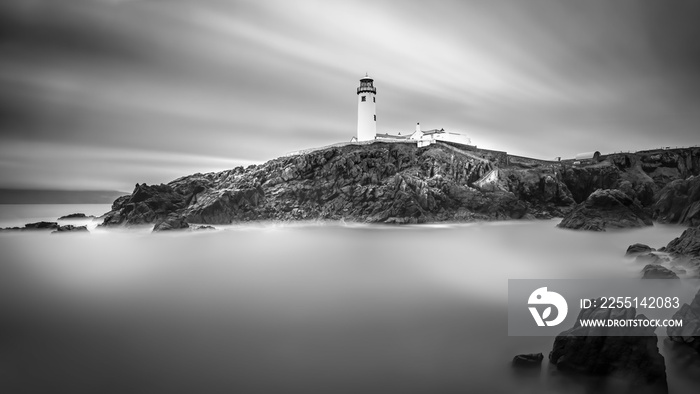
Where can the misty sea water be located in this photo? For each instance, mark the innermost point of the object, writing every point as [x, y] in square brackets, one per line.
[297, 307]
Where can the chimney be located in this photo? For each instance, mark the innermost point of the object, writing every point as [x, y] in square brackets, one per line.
[418, 127]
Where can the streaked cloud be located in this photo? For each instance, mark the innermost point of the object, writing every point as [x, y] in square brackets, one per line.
[219, 82]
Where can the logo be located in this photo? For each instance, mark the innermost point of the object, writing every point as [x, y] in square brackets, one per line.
[543, 297]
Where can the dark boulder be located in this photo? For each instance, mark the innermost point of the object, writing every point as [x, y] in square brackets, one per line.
[603, 352]
[687, 245]
[37, 226]
[70, 228]
[41, 226]
[689, 332]
[606, 209]
[75, 216]
[655, 271]
[147, 204]
[638, 249]
[533, 360]
[679, 202]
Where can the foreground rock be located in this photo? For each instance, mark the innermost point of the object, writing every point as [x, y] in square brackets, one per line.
[685, 250]
[606, 209]
[655, 271]
[634, 359]
[679, 202]
[172, 222]
[638, 249]
[689, 333]
[687, 245]
[533, 360]
[147, 204]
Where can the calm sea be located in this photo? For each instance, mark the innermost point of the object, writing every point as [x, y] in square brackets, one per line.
[308, 308]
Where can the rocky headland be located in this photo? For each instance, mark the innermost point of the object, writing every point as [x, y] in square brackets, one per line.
[400, 183]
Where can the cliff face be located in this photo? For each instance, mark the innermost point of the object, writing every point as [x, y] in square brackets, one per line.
[395, 183]
[381, 182]
[639, 175]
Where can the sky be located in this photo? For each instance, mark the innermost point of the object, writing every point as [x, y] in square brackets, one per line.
[103, 94]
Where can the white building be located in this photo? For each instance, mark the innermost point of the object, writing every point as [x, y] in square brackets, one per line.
[366, 110]
[427, 137]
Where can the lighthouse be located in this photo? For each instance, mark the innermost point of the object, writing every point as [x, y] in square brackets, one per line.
[366, 109]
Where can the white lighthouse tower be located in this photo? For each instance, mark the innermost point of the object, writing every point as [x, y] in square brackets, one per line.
[366, 110]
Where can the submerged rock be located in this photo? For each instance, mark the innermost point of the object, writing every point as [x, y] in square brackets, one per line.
[37, 226]
[655, 271]
[41, 226]
[636, 359]
[70, 228]
[606, 209]
[638, 249]
[75, 216]
[533, 360]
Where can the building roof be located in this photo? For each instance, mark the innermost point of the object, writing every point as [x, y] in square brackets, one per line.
[433, 131]
[587, 155]
[393, 136]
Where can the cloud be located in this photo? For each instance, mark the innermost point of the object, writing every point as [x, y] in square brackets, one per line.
[253, 80]
[100, 167]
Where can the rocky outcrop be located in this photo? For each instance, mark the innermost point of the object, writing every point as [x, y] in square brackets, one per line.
[640, 174]
[636, 249]
[41, 226]
[656, 271]
[541, 187]
[689, 332]
[687, 245]
[679, 202]
[606, 209]
[377, 183]
[600, 351]
[171, 222]
[70, 228]
[37, 226]
[533, 360]
[388, 182]
[147, 204]
[75, 216]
